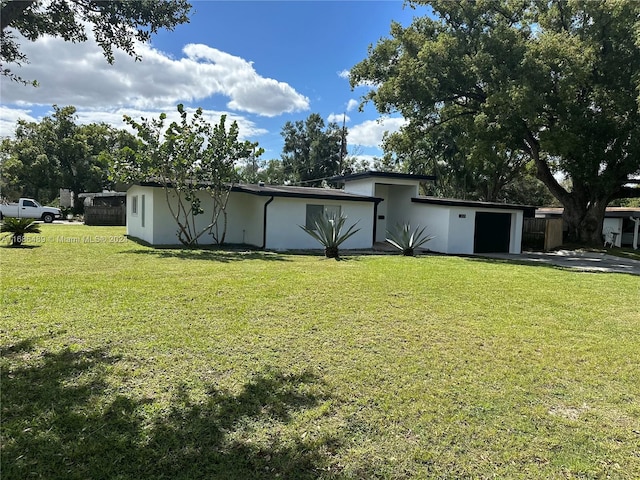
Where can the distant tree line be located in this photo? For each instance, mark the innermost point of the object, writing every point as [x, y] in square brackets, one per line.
[57, 152]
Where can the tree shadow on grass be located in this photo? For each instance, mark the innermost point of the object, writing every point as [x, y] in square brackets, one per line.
[63, 419]
[20, 247]
[215, 255]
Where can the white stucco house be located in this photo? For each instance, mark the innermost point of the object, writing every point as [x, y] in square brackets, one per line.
[269, 217]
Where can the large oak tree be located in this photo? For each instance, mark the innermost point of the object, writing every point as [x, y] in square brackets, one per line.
[556, 80]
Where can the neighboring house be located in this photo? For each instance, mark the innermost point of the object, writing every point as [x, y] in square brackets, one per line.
[269, 216]
[621, 226]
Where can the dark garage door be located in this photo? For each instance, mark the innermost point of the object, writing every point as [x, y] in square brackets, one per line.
[493, 232]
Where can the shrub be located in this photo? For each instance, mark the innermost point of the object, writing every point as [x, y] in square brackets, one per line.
[407, 241]
[328, 231]
[18, 228]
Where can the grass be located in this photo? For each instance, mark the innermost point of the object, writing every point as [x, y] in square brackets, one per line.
[124, 362]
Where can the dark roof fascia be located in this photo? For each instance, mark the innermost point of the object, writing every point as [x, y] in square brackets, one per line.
[280, 191]
[373, 174]
[528, 210]
[275, 192]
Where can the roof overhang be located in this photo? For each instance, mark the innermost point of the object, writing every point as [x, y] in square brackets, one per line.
[287, 191]
[303, 192]
[383, 175]
[528, 210]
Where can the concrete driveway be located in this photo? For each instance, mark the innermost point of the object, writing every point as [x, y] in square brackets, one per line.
[578, 260]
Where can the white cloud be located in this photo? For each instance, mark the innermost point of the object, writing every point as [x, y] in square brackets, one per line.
[9, 118]
[78, 74]
[370, 133]
[247, 128]
[351, 104]
[338, 118]
[344, 74]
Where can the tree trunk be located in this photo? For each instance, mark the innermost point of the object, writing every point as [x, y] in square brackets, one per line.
[583, 216]
[331, 252]
[584, 223]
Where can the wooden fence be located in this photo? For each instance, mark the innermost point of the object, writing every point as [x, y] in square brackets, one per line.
[542, 233]
[105, 215]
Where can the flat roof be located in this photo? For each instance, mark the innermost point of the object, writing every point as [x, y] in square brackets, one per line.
[528, 210]
[374, 174]
[290, 192]
[302, 192]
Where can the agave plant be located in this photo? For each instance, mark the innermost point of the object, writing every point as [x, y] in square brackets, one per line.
[328, 231]
[406, 240]
[18, 228]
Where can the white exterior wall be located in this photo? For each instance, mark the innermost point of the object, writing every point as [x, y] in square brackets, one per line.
[396, 207]
[368, 186]
[435, 219]
[462, 227]
[517, 223]
[453, 227]
[364, 186]
[399, 206]
[285, 215]
[146, 206]
[244, 219]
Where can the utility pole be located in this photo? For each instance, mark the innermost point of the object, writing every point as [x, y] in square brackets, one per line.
[343, 142]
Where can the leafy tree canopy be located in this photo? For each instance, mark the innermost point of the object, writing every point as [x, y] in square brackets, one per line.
[312, 152]
[556, 81]
[58, 153]
[115, 24]
[194, 162]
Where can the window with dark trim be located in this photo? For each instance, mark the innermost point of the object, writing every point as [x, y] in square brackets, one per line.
[142, 212]
[134, 205]
[314, 211]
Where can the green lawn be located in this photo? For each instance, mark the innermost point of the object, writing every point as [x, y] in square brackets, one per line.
[124, 362]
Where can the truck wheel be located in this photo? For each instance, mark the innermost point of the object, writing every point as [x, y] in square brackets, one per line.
[47, 217]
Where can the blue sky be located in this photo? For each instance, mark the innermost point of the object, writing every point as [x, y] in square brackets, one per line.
[260, 63]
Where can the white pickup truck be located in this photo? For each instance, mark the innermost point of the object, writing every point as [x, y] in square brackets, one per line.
[29, 208]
